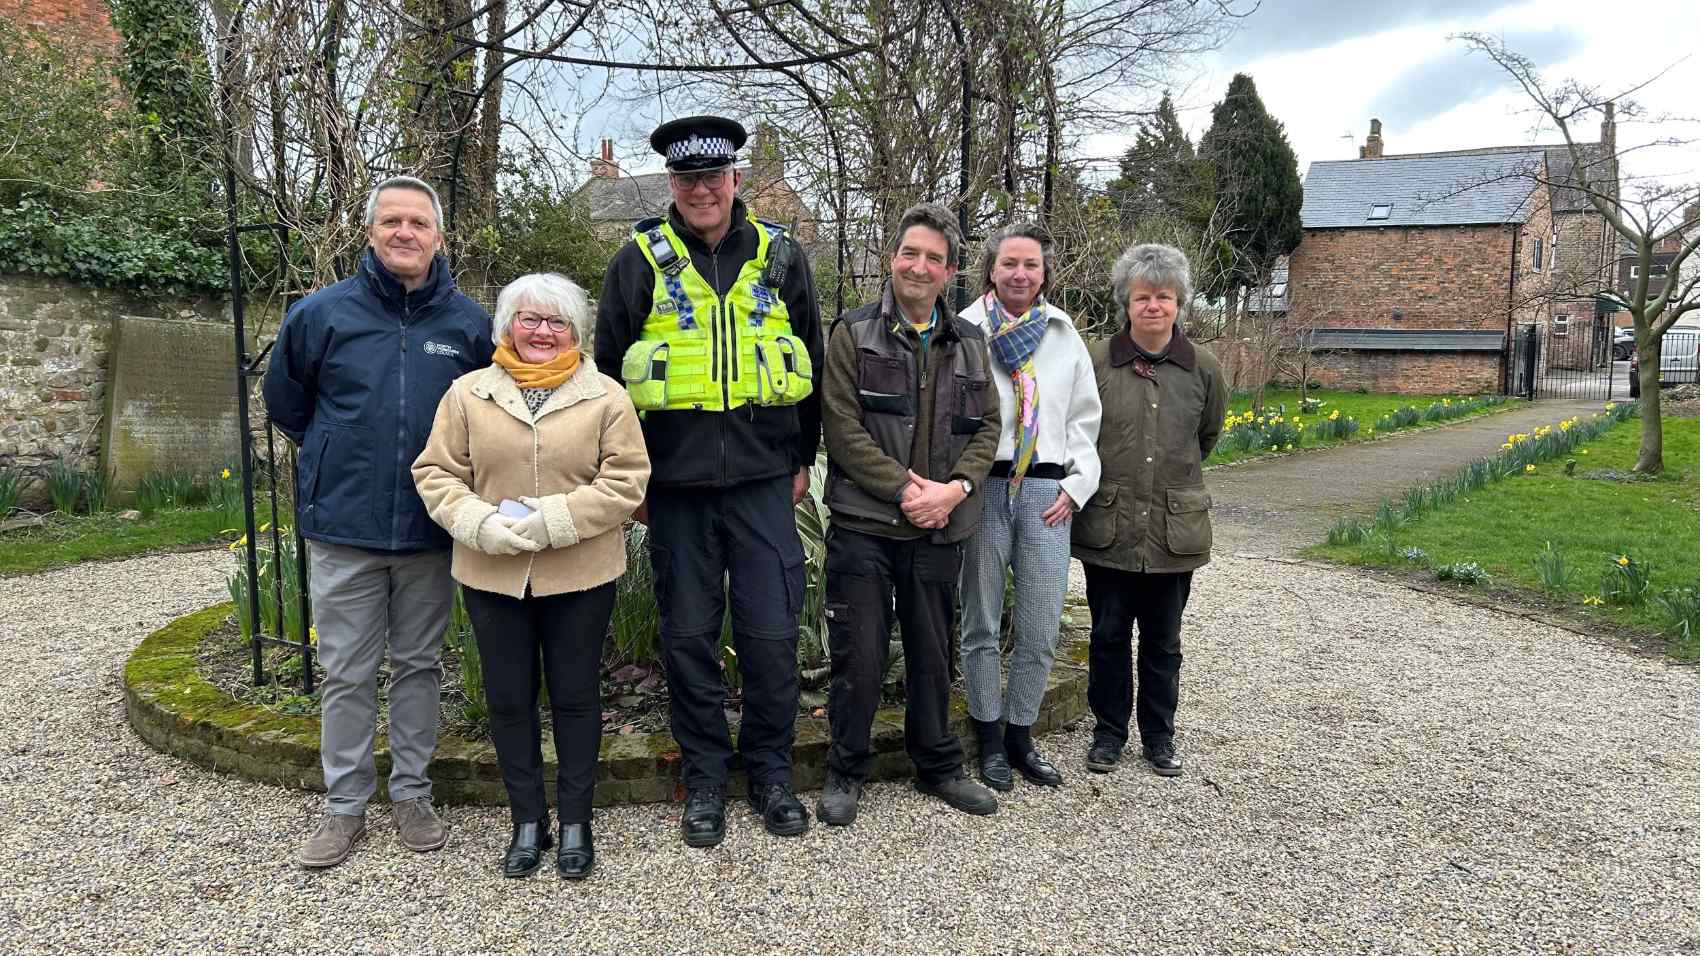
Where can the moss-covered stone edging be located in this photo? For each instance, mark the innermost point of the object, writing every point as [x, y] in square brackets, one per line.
[176, 711]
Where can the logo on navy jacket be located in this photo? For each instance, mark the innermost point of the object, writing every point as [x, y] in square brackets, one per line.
[437, 348]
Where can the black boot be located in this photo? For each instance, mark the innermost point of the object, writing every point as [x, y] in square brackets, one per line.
[577, 854]
[525, 850]
[703, 823]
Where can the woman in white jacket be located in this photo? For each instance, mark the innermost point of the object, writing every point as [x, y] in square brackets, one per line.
[1046, 468]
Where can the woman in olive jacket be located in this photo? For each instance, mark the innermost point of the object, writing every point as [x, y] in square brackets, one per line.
[533, 466]
[1148, 526]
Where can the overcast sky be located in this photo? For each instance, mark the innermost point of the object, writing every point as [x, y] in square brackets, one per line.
[1325, 67]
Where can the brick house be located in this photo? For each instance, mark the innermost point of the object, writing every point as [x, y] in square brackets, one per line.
[75, 21]
[615, 202]
[1415, 269]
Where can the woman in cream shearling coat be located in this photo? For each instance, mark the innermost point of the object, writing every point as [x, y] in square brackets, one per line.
[543, 428]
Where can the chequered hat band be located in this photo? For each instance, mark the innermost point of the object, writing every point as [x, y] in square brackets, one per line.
[707, 146]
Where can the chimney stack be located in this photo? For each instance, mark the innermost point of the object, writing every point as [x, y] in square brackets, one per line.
[604, 167]
[1608, 129]
[1371, 149]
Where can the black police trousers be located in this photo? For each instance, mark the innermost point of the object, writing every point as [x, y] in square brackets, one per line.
[862, 572]
[708, 546]
[1118, 600]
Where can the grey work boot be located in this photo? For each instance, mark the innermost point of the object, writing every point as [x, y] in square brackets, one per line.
[331, 843]
[421, 831]
[838, 799]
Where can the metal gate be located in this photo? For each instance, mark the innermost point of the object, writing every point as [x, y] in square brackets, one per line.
[1560, 362]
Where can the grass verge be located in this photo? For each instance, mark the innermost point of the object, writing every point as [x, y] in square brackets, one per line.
[1365, 409]
[1577, 527]
[66, 540]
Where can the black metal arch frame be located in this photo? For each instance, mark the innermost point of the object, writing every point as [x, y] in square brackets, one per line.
[249, 368]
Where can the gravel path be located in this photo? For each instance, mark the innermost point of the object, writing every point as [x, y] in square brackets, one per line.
[1368, 770]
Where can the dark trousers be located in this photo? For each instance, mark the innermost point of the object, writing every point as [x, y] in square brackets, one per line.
[568, 629]
[708, 545]
[862, 571]
[1118, 600]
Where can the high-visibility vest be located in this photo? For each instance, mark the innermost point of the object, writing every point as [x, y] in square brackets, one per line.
[705, 352]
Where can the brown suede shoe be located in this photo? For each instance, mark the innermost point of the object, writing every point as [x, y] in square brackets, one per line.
[331, 843]
[421, 831]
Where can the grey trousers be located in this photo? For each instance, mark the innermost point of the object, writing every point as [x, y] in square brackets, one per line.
[1015, 538]
[363, 600]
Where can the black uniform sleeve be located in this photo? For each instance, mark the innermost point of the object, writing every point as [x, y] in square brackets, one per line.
[804, 309]
[620, 312]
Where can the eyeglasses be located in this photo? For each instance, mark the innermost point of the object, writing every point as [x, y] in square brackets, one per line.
[712, 178]
[531, 320]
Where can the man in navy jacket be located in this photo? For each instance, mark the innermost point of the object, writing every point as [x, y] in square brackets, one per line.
[354, 380]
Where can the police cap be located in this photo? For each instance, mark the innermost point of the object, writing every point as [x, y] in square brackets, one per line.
[698, 142]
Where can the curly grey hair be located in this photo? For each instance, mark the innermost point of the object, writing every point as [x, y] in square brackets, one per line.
[934, 217]
[1019, 230]
[403, 182]
[1161, 267]
[546, 292]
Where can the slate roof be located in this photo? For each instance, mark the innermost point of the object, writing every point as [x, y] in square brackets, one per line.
[1446, 189]
[628, 198]
[1406, 340]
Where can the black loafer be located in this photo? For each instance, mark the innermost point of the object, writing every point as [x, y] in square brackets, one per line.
[780, 810]
[1033, 766]
[995, 772]
[1160, 754]
[577, 854]
[525, 850]
[962, 794]
[704, 821]
[1103, 757]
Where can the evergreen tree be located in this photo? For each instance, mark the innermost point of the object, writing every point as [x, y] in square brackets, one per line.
[1160, 173]
[1257, 184]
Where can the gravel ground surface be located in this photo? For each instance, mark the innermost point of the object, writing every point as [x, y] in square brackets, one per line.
[1368, 770]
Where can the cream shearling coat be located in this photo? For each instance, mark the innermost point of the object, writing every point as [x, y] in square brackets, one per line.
[583, 456]
[1069, 408]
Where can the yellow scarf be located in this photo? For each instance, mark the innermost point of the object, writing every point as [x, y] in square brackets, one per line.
[527, 375]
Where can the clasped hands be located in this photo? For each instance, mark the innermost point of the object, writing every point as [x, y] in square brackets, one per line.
[500, 534]
[927, 503]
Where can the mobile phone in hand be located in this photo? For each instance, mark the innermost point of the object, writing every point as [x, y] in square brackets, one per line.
[513, 509]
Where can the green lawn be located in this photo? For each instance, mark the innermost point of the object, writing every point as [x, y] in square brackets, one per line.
[1593, 518]
[1367, 408]
[67, 540]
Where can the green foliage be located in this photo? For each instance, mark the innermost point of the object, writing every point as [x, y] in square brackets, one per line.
[64, 487]
[1680, 611]
[540, 227]
[1161, 175]
[11, 489]
[279, 585]
[461, 639]
[166, 71]
[635, 625]
[1463, 572]
[1414, 555]
[1626, 581]
[1553, 570]
[1347, 531]
[97, 490]
[1257, 184]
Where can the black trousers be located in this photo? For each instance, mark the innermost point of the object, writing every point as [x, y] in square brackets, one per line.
[568, 629]
[862, 571]
[708, 546]
[1118, 600]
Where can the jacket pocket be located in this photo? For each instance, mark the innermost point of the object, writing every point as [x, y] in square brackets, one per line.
[882, 384]
[1189, 520]
[344, 488]
[970, 405]
[1095, 526]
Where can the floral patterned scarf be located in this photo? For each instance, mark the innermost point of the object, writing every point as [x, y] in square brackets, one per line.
[1013, 342]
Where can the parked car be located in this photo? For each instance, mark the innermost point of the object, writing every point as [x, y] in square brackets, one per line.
[1679, 358]
[1622, 343]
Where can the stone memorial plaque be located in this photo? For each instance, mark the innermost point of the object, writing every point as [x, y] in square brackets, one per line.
[171, 399]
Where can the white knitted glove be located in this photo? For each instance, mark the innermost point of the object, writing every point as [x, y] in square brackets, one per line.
[532, 527]
[496, 536]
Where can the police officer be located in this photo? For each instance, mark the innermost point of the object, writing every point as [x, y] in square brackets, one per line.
[709, 317]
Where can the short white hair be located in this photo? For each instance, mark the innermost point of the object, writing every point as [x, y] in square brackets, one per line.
[548, 292]
[403, 182]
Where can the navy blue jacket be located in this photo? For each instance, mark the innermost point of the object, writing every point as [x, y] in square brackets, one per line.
[354, 380]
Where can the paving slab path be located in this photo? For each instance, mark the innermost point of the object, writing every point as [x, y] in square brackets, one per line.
[1276, 506]
[1369, 770]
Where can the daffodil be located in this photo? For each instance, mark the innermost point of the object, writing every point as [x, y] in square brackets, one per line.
[1592, 601]
[313, 636]
[225, 474]
[1528, 469]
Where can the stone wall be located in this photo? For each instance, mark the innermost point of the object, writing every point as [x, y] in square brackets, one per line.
[1410, 373]
[54, 361]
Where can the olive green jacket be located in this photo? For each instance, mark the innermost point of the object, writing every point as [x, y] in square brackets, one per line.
[1151, 511]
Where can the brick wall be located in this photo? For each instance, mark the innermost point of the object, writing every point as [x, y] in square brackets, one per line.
[73, 20]
[1435, 277]
[1411, 373]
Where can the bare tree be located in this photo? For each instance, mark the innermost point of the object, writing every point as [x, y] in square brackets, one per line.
[1644, 215]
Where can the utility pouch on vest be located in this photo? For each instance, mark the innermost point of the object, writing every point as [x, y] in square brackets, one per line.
[645, 370]
[785, 376]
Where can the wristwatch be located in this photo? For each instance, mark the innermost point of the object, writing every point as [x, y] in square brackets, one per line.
[967, 486]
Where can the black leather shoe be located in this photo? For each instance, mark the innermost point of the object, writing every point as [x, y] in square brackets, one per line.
[525, 850]
[995, 772]
[1103, 757]
[1037, 769]
[577, 855]
[838, 799]
[1160, 754]
[962, 794]
[704, 821]
[780, 810]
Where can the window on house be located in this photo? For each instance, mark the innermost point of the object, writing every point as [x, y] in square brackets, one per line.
[1277, 290]
[1381, 210]
[1553, 245]
[1560, 324]
[1537, 261]
[1657, 270]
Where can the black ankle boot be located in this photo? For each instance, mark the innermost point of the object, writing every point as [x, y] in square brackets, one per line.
[576, 856]
[525, 850]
